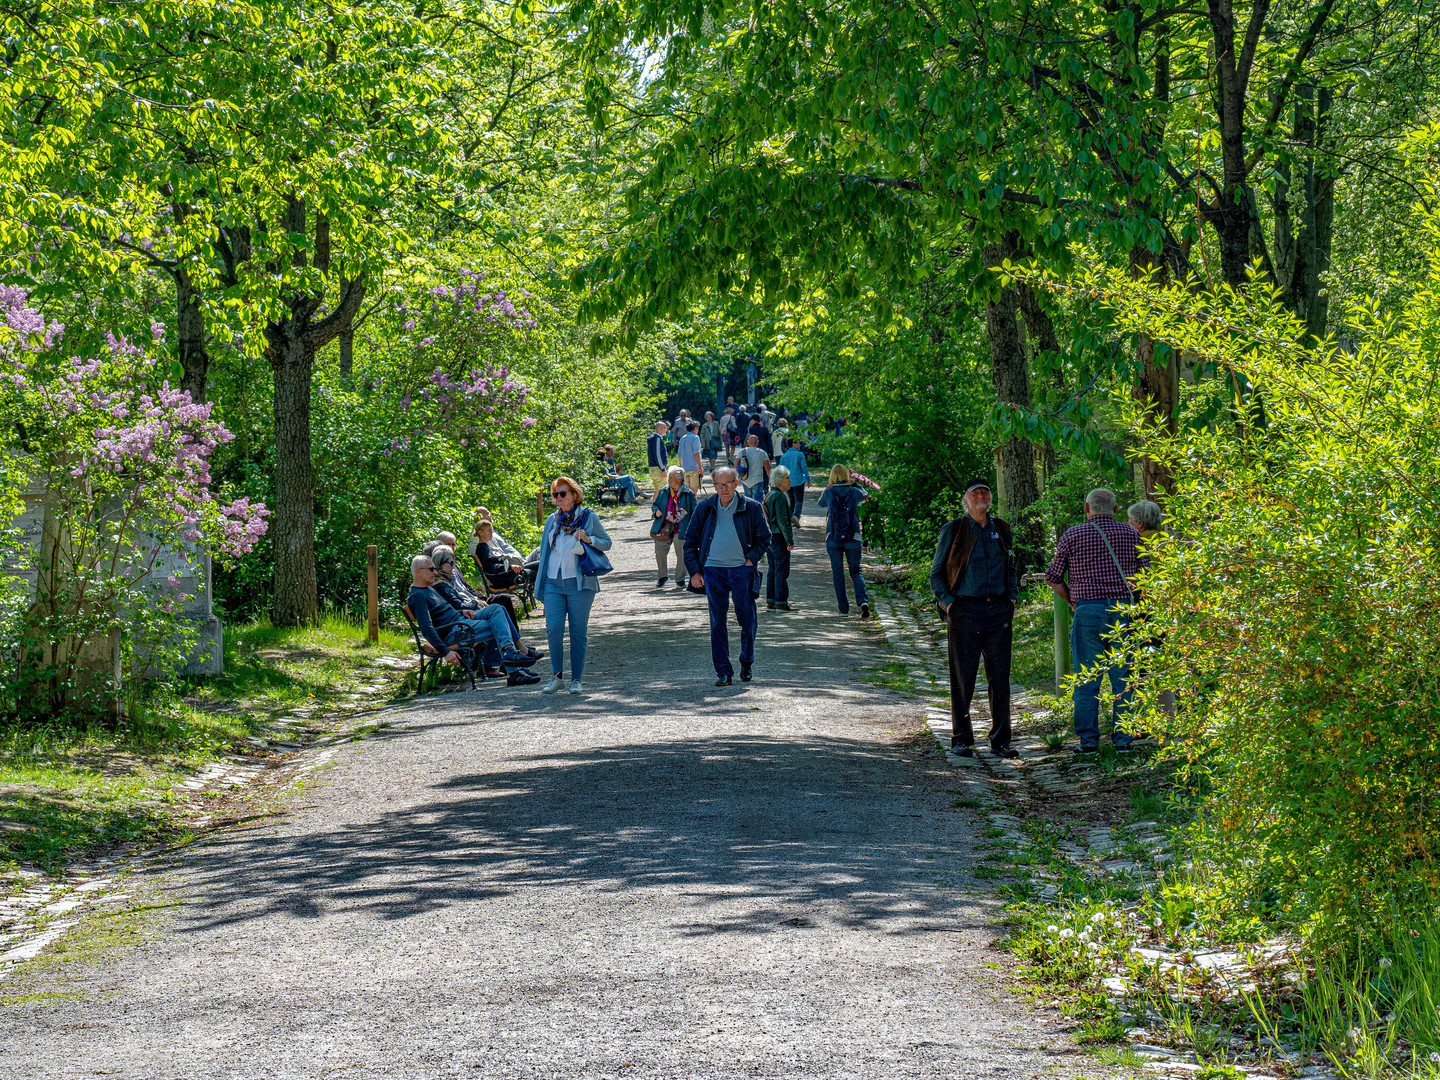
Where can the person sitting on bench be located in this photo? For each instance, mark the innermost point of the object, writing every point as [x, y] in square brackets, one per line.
[451, 585]
[445, 625]
[614, 478]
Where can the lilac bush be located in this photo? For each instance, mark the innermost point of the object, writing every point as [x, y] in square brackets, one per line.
[123, 461]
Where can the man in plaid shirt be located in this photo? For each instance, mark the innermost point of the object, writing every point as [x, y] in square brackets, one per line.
[1093, 570]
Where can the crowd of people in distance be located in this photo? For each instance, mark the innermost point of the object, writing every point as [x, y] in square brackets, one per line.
[755, 510]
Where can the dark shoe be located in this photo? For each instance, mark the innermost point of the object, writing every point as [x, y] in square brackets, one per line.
[512, 657]
[744, 672]
[494, 673]
[680, 583]
[723, 680]
[536, 653]
[770, 605]
[1126, 749]
[864, 611]
[960, 752]
[522, 678]
[1005, 752]
[1087, 749]
[784, 606]
[661, 583]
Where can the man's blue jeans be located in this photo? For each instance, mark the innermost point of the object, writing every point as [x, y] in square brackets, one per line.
[1090, 632]
[722, 582]
[839, 555]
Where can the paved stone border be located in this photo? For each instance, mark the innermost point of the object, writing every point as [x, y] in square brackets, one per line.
[1040, 774]
[44, 907]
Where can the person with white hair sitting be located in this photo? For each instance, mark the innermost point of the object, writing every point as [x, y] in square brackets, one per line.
[445, 626]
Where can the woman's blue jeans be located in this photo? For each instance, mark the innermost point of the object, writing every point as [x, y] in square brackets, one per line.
[839, 555]
[564, 597]
[1090, 639]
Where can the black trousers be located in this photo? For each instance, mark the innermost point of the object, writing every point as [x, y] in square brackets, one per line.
[777, 584]
[977, 628]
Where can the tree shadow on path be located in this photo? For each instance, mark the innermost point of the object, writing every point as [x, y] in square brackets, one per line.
[784, 825]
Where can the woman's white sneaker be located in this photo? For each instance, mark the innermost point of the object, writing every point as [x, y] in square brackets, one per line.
[576, 686]
[553, 685]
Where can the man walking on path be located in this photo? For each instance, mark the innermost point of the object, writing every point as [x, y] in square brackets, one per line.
[711, 439]
[782, 539]
[794, 460]
[724, 544]
[973, 579]
[757, 468]
[1100, 560]
[659, 457]
[688, 450]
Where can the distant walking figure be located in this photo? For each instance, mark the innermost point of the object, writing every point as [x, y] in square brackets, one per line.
[671, 513]
[657, 455]
[973, 579]
[727, 538]
[794, 460]
[842, 501]
[573, 537]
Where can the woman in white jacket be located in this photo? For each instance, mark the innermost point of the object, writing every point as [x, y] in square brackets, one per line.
[571, 533]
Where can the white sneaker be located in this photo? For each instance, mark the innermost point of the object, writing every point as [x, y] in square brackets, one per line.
[576, 686]
[554, 684]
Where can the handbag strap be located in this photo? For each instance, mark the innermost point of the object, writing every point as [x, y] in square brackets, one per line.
[1106, 541]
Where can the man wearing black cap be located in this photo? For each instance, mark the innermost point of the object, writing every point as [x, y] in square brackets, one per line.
[973, 579]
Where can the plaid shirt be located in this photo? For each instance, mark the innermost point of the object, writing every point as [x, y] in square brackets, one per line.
[1082, 554]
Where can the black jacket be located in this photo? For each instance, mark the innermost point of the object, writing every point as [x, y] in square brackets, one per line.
[952, 556]
[750, 526]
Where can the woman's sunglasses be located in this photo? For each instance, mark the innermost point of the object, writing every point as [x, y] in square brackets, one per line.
[563, 493]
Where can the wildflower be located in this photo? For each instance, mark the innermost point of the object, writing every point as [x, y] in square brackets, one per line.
[1435, 1057]
[1098, 917]
[1067, 933]
[1353, 1033]
[1384, 962]
[1084, 935]
[1052, 929]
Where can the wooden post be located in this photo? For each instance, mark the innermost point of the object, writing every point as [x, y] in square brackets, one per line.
[540, 508]
[1062, 641]
[372, 591]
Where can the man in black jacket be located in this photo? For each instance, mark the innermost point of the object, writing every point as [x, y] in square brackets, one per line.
[973, 579]
[726, 539]
[657, 456]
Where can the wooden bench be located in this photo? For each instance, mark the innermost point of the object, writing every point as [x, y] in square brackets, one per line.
[470, 658]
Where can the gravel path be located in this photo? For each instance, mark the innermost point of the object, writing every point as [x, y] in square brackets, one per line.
[659, 879]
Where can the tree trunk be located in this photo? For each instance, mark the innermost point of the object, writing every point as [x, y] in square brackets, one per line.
[1233, 207]
[1011, 371]
[194, 360]
[293, 526]
[1158, 386]
[347, 351]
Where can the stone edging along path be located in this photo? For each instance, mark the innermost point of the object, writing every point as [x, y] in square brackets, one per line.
[1135, 853]
[43, 907]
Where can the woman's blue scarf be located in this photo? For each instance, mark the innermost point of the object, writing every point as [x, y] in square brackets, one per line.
[569, 523]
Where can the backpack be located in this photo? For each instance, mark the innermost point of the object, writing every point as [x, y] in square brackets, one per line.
[847, 521]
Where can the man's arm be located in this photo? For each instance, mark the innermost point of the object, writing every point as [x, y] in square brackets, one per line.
[694, 534]
[938, 584]
[759, 534]
[1055, 572]
[420, 608]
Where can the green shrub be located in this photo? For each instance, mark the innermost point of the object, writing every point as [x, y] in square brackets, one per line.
[1294, 601]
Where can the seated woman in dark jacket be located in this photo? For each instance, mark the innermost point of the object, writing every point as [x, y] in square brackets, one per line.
[494, 565]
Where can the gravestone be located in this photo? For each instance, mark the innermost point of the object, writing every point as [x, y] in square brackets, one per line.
[188, 564]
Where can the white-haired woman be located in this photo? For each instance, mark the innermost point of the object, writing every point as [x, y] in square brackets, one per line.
[573, 535]
[782, 539]
[670, 518]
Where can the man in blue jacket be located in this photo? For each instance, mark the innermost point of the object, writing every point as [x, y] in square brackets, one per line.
[726, 539]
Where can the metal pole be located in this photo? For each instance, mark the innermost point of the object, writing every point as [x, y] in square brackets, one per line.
[372, 591]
